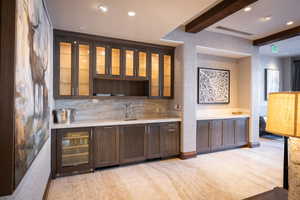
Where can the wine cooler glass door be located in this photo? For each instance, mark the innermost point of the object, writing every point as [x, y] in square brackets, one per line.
[75, 149]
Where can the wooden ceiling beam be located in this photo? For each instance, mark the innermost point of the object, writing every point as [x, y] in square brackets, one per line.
[220, 11]
[278, 36]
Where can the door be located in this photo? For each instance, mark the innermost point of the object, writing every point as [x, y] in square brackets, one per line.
[170, 139]
[203, 137]
[74, 151]
[106, 146]
[216, 135]
[228, 133]
[64, 68]
[72, 68]
[167, 76]
[241, 131]
[154, 141]
[133, 143]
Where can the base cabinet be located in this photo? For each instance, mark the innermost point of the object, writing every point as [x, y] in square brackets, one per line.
[106, 146]
[82, 150]
[170, 139]
[133, 147]
[215, 135]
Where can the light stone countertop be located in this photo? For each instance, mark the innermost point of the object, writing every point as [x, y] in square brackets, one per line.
[222, 116]
[82, 124]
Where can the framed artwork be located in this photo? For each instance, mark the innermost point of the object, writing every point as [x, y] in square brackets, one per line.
[213, 86]
[272, 81]
[32, 76]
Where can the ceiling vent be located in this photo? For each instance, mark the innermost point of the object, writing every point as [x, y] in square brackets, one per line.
[233, 31]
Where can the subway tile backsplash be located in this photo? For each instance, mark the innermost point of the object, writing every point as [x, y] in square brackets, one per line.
[113, 109]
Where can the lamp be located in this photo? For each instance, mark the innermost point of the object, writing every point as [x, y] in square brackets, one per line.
[283, 118]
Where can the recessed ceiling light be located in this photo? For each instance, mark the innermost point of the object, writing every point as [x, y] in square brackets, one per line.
[290, 23]
[267, 18]
[131, 13]
[247, 9]
[103, 8]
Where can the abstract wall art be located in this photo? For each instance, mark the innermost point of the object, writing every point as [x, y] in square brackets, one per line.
[213, 86]
[33, 39]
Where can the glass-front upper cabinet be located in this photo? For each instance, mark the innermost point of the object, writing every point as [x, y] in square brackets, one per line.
[101, 54]
[115, 66]
[83, 70]
[167, 75]
[72, 62]
[142, 64]
[155, 79]
[65, 69]
[130, 63]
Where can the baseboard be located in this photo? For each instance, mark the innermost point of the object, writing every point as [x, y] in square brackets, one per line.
[254, 144]
[45, 196]
[188, 155]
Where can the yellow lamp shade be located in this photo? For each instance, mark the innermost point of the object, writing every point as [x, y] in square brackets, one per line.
[283, 116]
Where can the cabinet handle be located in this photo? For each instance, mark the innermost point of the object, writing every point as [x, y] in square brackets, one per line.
[73, 92]
[171, 130]
[108, 127]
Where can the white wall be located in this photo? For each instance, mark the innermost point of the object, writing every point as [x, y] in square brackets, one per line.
[217, 62]
[188, 68]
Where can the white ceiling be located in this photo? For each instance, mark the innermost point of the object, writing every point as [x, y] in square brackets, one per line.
[281, 11]
[154, 19]
[289, 47]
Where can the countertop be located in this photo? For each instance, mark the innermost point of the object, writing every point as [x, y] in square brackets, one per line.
[81, 124]
[221, 116]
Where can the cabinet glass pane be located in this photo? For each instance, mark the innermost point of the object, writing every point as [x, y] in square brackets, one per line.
[100, 60]
[65, 68]
[115, 61]
[155, 75]
[75, 148]
[129, 62]
[142, 64]
[167, 76]
[84, 70]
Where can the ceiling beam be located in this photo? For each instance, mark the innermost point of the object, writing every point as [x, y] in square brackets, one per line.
[220, 11]
[278, 36]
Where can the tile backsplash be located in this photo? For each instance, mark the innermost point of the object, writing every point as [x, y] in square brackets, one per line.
[95, 109]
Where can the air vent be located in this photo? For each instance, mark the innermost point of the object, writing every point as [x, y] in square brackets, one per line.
[233, 31]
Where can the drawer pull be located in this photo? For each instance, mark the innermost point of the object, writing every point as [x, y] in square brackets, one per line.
[171, 130]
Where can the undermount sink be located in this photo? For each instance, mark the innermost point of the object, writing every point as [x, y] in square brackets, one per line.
[130, 119]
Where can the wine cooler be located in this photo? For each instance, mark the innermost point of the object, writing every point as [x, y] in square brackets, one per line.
[74, 151]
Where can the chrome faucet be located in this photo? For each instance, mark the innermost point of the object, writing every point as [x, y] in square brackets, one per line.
[128, 112]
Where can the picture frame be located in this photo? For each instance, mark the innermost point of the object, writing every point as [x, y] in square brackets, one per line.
[213, 86]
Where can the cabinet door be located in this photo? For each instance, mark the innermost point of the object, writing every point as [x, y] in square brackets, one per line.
[203, 137]
[64, 62]
[154, 141]
[228, 133]
[101, 60]
[133, 143]
[83, 69]
[142, 64]
[170, 139]
[241, 131]
[130, 63]
[167, 76]
[115, 62]
[155, 75]
[106, 146]
[74, 151]
[216, 135]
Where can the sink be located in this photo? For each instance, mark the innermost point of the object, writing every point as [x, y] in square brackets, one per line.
[130, 119]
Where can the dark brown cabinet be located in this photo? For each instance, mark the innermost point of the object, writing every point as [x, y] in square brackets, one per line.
[72, 68]
[154, 141]
[92, 66]
[214, 135]
[241, 131]
[73, 151]
[133, 143]
[106, 146]
[81, 150]
[203, 137]
[170, 139]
